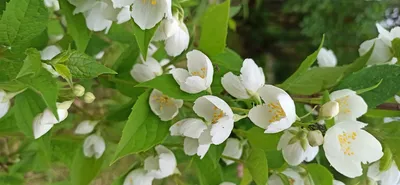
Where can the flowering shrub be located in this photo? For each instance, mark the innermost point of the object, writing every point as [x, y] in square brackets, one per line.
[146, 85]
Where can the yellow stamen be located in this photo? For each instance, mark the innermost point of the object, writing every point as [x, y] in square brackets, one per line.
[153, 2]
[277, 111]
[291, 181]
[218, 114]
[163, 100]
[201, 74]
[344, 105]
[345, 141]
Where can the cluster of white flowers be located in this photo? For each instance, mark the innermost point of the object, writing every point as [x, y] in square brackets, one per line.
[159, 166]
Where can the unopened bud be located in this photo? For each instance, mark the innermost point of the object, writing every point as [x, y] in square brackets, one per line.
[315, 138]
[89, 97]
[329, 109]
[79, 90]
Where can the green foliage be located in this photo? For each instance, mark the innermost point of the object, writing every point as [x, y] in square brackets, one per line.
[396, 47]
[257, 139]
[22, 21]
[142, 131]
[258, 166]
[84, 169]
[389, 135]
[207, 173]
[32, 63]
[368, 77]
[214, 29]
[228, 59]
[319, 174]
[143, 38]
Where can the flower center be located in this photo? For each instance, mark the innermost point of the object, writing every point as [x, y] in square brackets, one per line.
[218, 114]
[276, 110]
[201, 73]
[291, 181]
[153, 2]
[344, 105]
[345, 141]
[163, 100]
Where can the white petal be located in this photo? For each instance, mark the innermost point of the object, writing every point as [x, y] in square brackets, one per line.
[146, 71]
[285, 138]
[397, 98]
[234, 149]
[275, 180]
[189, 127]
[94, 145]
[351, 105]
[167, 28]
[326, 58]
[366, 147]
[124, 15]
[40, 129]
[374, 172]
[227, 183]
[167, 161]
[49, 52]
[311, 153]
[345, 165]
[50, 69]
[95, 19]
[251, 76]
[294, 154]
[221, 130]
[336, 182]
[199, 63]
[4, 106]
[52, 4]
[180, 75]
[138, 176]
[380, 54]
[233, 85]
[194, 84]
[384, 35]
[85, 127]
[294, 176]
[178, 42]
[122, 3]
[190, 146]
[82, 6]
[206, 106]
[146, 14]
[391, 176]
[163, 106]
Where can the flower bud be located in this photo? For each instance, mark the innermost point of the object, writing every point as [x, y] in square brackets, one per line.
[89, 97]
[329, 109]
[315, 138]
[79, 90]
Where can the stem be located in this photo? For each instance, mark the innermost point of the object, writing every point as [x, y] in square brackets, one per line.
[309, 113]
[232, 159]
[240, 109]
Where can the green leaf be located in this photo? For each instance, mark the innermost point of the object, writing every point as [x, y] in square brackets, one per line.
[258, 139]
[319, 174]
[143, 38]
[304, 66]
[126, 60]
[359, 63]
[8, 123]
[206, 174]
[247, 178]
[214, 29]
[84, 169]
[9, 69]
[64, 72]
[22, 21]
[142, 131]
[46, 86]
[64, 150]
[396, 47]
[32, 63]
[368, 77]
[258, 166]
[76, 26]
[11, 179]
[168, 86]
[229, 59]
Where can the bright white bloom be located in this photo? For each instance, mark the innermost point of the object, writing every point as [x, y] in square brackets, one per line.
[4, 103]
[94, 145]
[138, 177]
[336, 182]
[351, 105]
[387, 36]
[381, 54]
[52, 4]
[82, 6]
[89, 97]
[199, 75]
[85, 127]
[146, 71]
[43, 122]
[293, 177]
[296, 150]
[162, 165]
[218, 114]
[227, 183]
[326, 58]
[196, 135]
[124, 15]
[167, 28]
[388, 177]
[122, 3]
[347, 145]
[234, 149]
[278, 111]
[329, 109]
[99, 55]
[147, 13]
[49, 52]
[397, 98]
[247, 84]
[51, 70]
[98, 17]
[163, 106]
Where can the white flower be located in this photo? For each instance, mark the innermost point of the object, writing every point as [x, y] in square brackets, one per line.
[122, 3]
[196, 135]
[82, 6]
[247, 84]
[94, 145]
[51, 70]
[336, 182]
[293, 177]
[387, 36]
[199, 75]
[397, 98]
[138, 177]
[52, 4]
[326, 58]
[234, 149]
[227, 183]
[43, 122]
[162, 165]
[163, 106]
[4, 103]
[295, 150]
[218, 114]
[124, 15]
[98, 17]
[381, 53]
[278, 111]
[146, 71]
[351, 105]
[49, 52]
[329, 109]
[346, 146]
[147, 13]
[388, 177]
[85, 127]
[175, 34]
